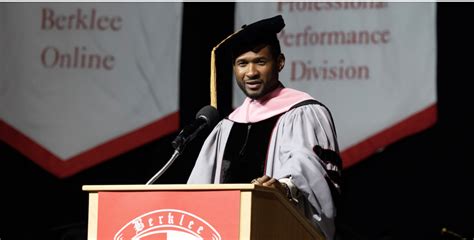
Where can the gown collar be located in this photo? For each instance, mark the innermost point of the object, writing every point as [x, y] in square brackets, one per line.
[273, 103]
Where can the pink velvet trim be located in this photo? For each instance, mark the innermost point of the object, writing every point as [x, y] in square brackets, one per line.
[278, 101]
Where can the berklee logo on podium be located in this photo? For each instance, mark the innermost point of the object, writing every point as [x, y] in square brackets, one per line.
[168, 215]
[167, 224]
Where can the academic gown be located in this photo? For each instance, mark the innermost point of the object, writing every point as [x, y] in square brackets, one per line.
[302, 145]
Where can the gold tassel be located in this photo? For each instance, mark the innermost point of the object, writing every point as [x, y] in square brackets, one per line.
[213, 71]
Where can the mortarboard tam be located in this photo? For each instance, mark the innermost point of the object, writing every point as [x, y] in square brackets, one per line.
[244, 39]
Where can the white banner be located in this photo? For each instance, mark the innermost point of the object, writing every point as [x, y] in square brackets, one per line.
[373, 64]
[83, 82]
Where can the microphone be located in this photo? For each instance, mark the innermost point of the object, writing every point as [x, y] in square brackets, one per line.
[206, 117]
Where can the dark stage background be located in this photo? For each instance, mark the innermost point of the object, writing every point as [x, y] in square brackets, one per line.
[411, 190]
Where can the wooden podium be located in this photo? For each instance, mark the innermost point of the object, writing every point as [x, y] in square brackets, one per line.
[188, 211]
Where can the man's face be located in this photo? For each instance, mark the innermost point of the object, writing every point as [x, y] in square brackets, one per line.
[257, 72]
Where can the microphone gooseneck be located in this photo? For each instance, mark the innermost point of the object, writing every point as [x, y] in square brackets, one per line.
[207, 117]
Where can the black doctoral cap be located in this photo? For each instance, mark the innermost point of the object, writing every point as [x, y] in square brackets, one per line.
[245, 39]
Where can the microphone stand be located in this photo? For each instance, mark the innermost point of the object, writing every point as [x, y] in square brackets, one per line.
[179, 147]
[165, 167]
[205, 117]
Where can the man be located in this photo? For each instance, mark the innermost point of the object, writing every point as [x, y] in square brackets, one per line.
[279, 137]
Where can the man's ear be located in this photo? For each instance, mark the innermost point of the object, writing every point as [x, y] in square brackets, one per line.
[281, 62]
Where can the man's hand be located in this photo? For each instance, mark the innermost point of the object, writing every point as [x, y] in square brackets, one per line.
[271, 182]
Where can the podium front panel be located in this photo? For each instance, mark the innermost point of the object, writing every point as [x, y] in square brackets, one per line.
[168, 215]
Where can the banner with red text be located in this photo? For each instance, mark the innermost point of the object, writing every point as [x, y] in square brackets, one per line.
[83, 82]
[372, 63]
